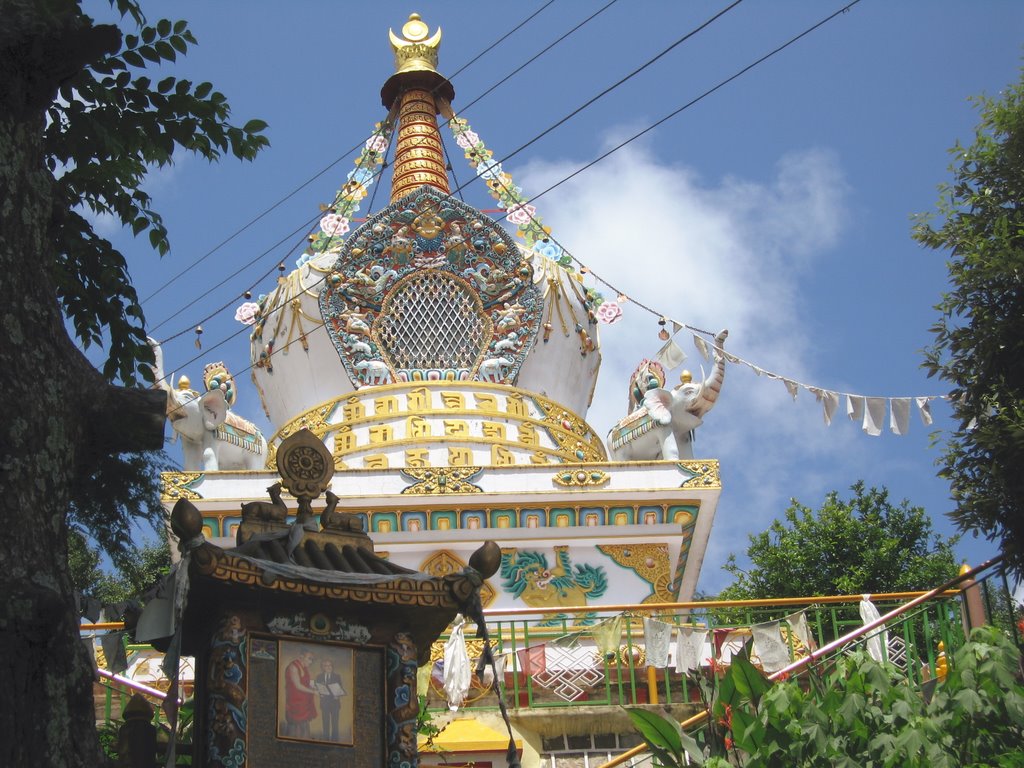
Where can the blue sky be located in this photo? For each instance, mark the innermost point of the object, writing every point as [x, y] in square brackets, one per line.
[778, 207]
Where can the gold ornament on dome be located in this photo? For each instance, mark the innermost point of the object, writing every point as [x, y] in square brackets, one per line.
[179, 485]
[442, 480]
[700, 474]
[305, 464]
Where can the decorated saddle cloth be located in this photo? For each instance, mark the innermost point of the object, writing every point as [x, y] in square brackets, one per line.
[240, 432]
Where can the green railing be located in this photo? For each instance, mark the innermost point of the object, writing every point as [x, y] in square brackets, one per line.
[551, 661]
[554, 661]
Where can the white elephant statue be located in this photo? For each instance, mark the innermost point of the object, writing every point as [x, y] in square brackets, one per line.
[373, 372]
[661, 422]
[494, 368]
[212, 437]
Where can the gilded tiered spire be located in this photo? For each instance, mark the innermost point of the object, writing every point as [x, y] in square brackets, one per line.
[422, 93]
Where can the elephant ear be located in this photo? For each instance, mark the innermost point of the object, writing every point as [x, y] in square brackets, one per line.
[658, 403]
[215, 408]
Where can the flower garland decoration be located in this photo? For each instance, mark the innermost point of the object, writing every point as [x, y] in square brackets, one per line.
[518, 210]
[337, 218]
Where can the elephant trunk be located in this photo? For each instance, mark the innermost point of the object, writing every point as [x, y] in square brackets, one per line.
[712, 386]
[158, 365]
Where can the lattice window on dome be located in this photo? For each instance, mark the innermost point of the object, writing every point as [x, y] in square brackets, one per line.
[432, 320]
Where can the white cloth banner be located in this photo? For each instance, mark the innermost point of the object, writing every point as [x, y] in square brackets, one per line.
[792, 387]
[457, 673]
[899, 415]
[877, 638]
[925, 408]
[874, 415]
[689, 649]
[769, 646]
[657, 636]
[855, 407]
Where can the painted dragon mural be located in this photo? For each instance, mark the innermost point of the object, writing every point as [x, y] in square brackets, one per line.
[528, 577]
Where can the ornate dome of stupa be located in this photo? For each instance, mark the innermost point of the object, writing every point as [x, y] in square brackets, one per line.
[429, 312]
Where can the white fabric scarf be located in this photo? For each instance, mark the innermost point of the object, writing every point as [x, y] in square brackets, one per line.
[457, 673]
[877, 639]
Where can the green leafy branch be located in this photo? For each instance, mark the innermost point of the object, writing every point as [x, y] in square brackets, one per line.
[109, 126]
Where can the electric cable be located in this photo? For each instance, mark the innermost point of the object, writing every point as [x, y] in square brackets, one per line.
[658, 123]
[269, 272]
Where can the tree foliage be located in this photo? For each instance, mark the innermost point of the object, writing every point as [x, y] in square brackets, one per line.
[860, 714]
[978, 344]
[108, 127]
[864, 544]
[138, 569]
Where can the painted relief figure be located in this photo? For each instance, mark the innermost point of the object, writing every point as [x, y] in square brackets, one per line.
[313, 687]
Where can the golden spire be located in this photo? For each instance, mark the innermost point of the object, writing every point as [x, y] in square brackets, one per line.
[422, 93]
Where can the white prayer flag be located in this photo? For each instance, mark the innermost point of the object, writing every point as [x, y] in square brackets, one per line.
[671, 355]
[792, 387]
[829, 404]
[899, 415]
[798, 624]
[702, 346]
[925, 409]
[855, 407]
[874, 415]
[657, 636]
[769, 646]
[689, 649]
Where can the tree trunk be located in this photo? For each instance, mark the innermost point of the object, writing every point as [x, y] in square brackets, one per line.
[52, 395]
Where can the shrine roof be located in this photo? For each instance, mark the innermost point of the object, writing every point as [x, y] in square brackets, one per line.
[322, 555]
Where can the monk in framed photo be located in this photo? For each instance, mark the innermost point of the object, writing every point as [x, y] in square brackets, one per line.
[314, 683]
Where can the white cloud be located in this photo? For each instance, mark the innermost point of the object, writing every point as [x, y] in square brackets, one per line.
[729, 254]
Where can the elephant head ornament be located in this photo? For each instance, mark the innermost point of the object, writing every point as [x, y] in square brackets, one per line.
[661, 422]
[213, 437]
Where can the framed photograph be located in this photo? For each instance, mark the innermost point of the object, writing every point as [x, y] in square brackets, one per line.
[314, 692]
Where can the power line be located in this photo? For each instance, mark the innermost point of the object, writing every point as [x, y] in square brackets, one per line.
[616, 84]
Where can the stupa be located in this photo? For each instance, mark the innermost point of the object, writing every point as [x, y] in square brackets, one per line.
[447, 363]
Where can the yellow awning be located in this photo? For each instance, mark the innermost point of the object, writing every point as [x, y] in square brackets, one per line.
[469, 736]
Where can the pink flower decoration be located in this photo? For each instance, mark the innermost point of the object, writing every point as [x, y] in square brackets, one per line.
[333, 224]
[609, 312]
[247, 313]
[376, 143]
[521, 213]
[467, 140]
